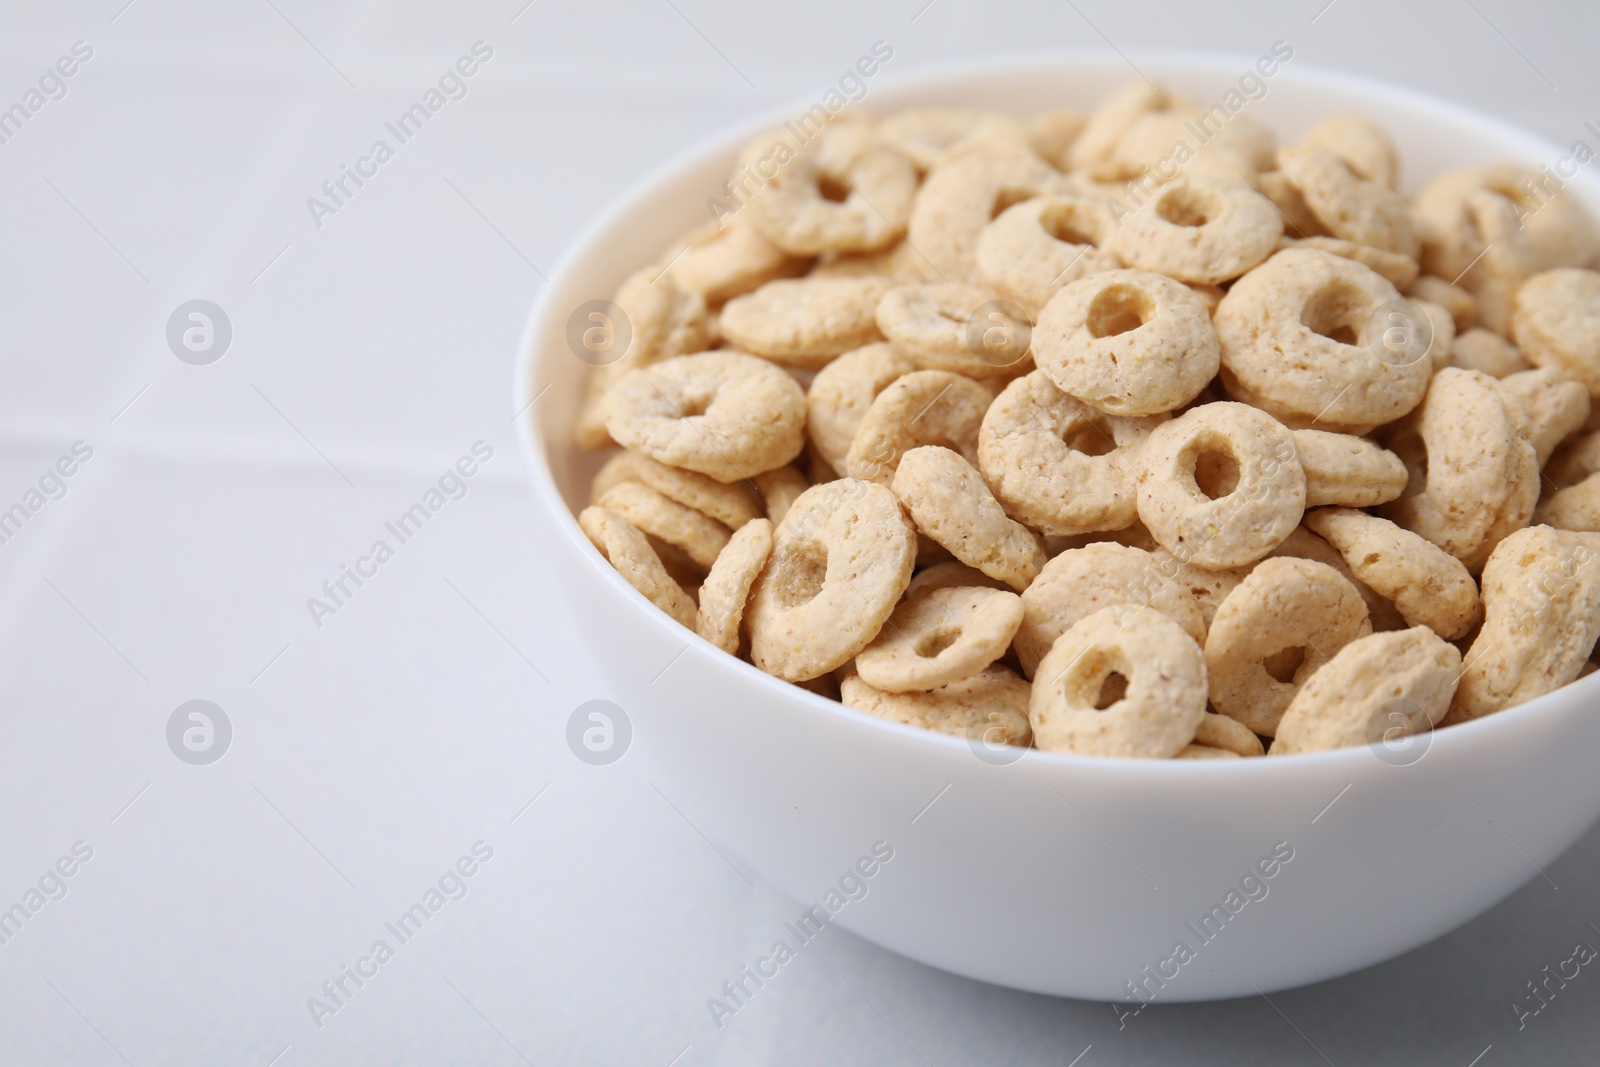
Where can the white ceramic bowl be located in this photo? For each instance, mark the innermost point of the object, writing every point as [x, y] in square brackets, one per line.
[1054, 873]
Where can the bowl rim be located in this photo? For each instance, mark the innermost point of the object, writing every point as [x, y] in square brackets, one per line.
[726, 140]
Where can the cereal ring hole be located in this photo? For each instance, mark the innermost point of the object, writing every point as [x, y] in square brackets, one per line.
[798, 572]
[931, 644]
[1117, 309]
[1337, 311]
[1188, 205]
[1216, 473]
[1090, 437]
[1113, 689]
[1282, 665]
[1009, 198]
[1098, 679]
[833, 189]
[1060, 221]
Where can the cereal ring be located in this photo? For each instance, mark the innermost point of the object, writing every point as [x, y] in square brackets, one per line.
[1363, 145]
[1298, 221]
[1378, 688]
[1427, 585]
[1034, 248]
[1541, 616]
[1202, 230]
[1127, 342]
[846, 190]
[950, 574]
[1475, 475]
[1151, 149]
[1165, 697]
[1350, 206]
[1227, 735]
[925, 407]
[1081, 581]
[725, 414]
[1443, 327]
[1058, 465]
[927, 135]
[1303, 544]
[626, 549]
[1051, 134]
[723, 260]
[780, 487]
[726, 589]
[932, 325]
[1244, 520]
[1577, 507]
[1299, 342]
[1462, 305]
[1117, 113]
[939, 637]
[805, 322]
[1484, 350]
[842, 392]
[1348, 470]
[1400, 271]
[1209, 588]
[1283, 622]
[1556, 321]
[962, 195]
[1205, 752]
[1557, 406]
[667, 520]
[991, 706]
[949, 502]
[728, 504]
[840, 560]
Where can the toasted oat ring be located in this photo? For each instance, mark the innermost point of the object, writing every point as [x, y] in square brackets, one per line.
[1556, 322]
[1127, 342]
[1400, 271]
[723, 260]
[950, 503]
[925, 407]
[725, 414]
[1149, 150]
[1057, 464]
[1470, 435]
[1165, 696]
[1556, 406]
[1228, 735]
[1300, 342]
[726, 589]
[805, 322]
[667, 520]
[1285, 605]
[932, 325]
[791, 210]
[1348, 470]
[840, 560]
[926, 135]
[950, 574]
[1365, 147]
[1200, 230]
[1249, 517]
[728, 504]
[1577, 507]
[1484, 350]
[1051, 133]
[842, 392]
[1298, 221]
[962, 194]
[1209, 588]
[1081, 581]
[1350, 206]
[1034, 248]
[938, 637]
[1117, 113]
[780, 487]
[1377, 688]
[1428, 586]
[1462, 305]
[626, 549]
[989, 707]
[1303, 544]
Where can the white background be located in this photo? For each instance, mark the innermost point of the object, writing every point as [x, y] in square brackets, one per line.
[368, 355]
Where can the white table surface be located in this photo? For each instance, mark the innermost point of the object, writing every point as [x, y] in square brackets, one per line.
[368, 754]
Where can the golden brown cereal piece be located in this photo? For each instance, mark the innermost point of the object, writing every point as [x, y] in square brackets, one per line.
[842, 392]
[926, 135]
[1058, 465]
[991, 706]
[626, 549]
[1034, 248]
[1484, 350]
[1377, 689]
[1363, 145]
[1300, 340]
[1298, 221]
[949, 574]
[1462, 305]
[938, 637]
[1350, 206]
[1557, 406]
[726, 589]
[805, 322]
[1161, 667]
[792, 209]
[1577, 507]
[1051, 134]
[1427, 585]
[1303, 544]
[925, 407]
[1283, 622]
[1205, 752]
[1081, 581]
[730, 505]
[662, 321]
[1476, 477]
[722, 261]
[1406, 323]
[1117, 113]
[1228, 735]
[780, 488]
[1209, 588]
[840, 560]
[661, 517]
[934, 326]
[962, 194]
[1150, 148]
[1347, 470]
[724, 413]
[1400, 271]
[949, 502]
[1235, 523]
[1201, 230]
[1127, 342]
[1556, 320]
[1541, 601]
